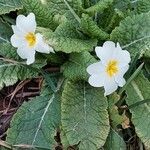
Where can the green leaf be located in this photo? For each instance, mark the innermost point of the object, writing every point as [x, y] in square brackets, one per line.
[99, 7]
[9, 5]
[90, 27]
[5, 32]
[133, 33]
[67, 38]
[84, 115]
[137, 91]
[11, 69]
[36, 122]
[115, 117]
[114, 141]
[59, 6]
[75, 68]
[143, 6]
[43, 16]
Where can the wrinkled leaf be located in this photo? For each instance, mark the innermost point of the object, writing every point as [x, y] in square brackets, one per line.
[114, 141]
[36, 122]
[84, 115]
[5, 32]
[99, 7]
[9, 5]
[89, 27]
[11, 67]
[75, 68]
[143, 6]
[67, 38]
[137, 91]
[133, 33]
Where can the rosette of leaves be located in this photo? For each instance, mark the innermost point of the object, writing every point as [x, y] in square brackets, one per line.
[69, 113]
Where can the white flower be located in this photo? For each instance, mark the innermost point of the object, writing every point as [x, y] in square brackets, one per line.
[110, 70]
[25, 39]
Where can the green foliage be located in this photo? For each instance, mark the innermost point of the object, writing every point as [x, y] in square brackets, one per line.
[75, 68]
[59, 7]
[5, 31]
[36, 122]
[84, 115]
[138, 91]
[90, 28]
[114, 141]
[115, 117]
[143, 6]
[133, 33]
[99, 7]
[7, 6]
[80, 113]
[67, 38]
[11, 69]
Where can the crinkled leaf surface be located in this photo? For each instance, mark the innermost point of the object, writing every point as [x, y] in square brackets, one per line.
[59, 7]
[100, 6]
[9, 5]
[143, 6]
[114, 141]
[5, 31]
[133, 33]
[90, 27]
[67, 38]
[36, 122]
[84, 115]
[75, 68]
[11, 68]
[137, 91]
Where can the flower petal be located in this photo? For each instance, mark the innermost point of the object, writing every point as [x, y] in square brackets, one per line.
[42, 46]
[122, 70]
[17, 41]
[123, 56]
[119, 77]
[96, 68]
[30, 59]
[110, 86]
[105, 52]
[97, 81]
[18, 31]
[26, 24]
[26, 53]
[120, 81]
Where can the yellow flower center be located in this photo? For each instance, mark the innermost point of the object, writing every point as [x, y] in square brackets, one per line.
[112, 67]
[31, 39]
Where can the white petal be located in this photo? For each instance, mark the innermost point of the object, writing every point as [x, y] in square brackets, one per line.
[110, 86]
[120, 81]
[26, 53]
[96, 81]
[42, 46]
[123, 56]
[119, 77]
[18, 31]
[96, 68]
[31, 59]
[27, 24]
[122, 70]
[17, 41]
[105, 52]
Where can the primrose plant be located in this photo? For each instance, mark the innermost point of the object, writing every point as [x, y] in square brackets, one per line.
[93, 58]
